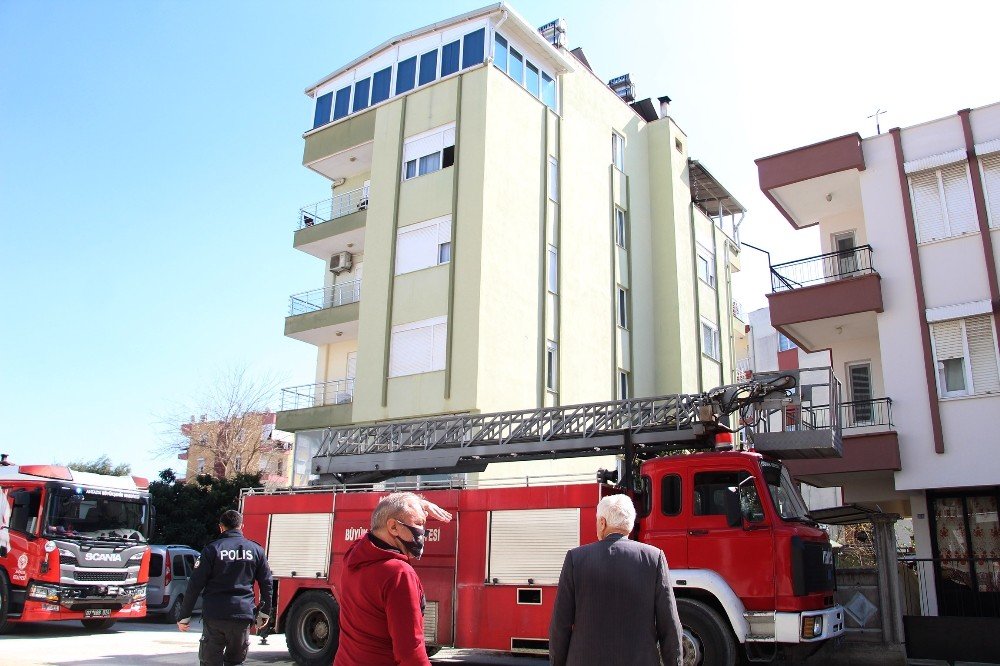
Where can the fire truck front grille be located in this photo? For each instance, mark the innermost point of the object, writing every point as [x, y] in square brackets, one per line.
[100, 576]
[67, 559]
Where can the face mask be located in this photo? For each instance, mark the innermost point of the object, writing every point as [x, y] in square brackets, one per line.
[415, 547]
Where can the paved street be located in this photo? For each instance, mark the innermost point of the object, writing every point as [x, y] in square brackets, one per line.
[145, 642]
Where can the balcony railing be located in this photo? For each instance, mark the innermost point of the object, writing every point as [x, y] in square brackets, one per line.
[331, 209]
[853, 414]
[744, 369]
[327, 297]
[738, 311]
[336, 392]
[821, 269]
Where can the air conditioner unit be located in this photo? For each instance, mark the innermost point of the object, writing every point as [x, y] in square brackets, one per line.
[340, 262]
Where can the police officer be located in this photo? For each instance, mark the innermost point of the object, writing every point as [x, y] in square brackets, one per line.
[224, 575]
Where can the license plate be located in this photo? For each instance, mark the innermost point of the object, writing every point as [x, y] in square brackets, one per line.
[97, 612]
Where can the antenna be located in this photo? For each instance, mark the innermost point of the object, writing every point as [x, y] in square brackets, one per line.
[875, 115]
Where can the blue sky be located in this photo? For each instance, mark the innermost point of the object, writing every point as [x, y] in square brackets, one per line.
[150, 168]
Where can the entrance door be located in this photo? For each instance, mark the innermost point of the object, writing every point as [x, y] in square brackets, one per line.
[966, 546]
[847, 259]
[860, 385]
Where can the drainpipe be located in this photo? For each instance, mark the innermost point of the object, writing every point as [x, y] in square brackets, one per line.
[493, 46]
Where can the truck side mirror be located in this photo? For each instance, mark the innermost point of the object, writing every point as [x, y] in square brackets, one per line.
[24, 509]
[734, 512]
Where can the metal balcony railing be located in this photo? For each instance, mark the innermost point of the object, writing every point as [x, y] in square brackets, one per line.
[821, 269]
[963, 586]
[335, 392]
[853, 414]
[327, 297]
[738, 311]
[331, 209]
[744, 369]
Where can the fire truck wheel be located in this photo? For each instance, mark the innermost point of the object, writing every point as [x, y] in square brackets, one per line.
[4, 601]
[98, 625]
[313, 629]
[707, 640]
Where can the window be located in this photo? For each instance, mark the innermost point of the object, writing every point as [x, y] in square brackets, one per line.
[990, 166]
[201, 466]
[449, 57]
[966, 356]
[784, 344]
[548, 91]
[381, 85]
[516, 68]
[942, 203]
[553, 272]
[710, 494]
[323, 104]
[423, 245]
[238, 463]
[859, 377]
[472, 48]
[531, 80]
[500, 52]
[342, 106]
[622, 307]
[361, 90]
[711, 346]
[178, 566]
[706, 266]
[618, 150]
[155, 565]
[406, 74]
[551, 368]
[623, 392]
[620, 228]
[418, 347]
[429, 152]
[428, 67]
[670, 494]
[553, 179]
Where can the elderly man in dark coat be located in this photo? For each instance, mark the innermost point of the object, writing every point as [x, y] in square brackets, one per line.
[615, 604]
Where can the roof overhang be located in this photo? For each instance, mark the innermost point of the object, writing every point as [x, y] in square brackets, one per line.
[512, 22]
[708, 193]
[810, 183]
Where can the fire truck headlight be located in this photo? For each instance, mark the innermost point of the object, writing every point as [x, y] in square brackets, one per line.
[138, 593]
[812, 626]
[43, 593]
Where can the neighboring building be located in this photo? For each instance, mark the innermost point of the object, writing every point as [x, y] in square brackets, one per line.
[528, 234]
[905, 297]
[211, 451]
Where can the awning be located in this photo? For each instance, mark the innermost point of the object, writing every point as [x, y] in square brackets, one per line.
[850, 514]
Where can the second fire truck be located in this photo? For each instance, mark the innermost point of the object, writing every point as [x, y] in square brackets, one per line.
[751, 572]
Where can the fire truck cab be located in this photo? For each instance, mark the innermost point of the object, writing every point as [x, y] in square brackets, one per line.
[73, 545]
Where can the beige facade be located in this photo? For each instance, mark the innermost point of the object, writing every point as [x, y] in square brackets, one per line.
[534, 298]
[260, 448]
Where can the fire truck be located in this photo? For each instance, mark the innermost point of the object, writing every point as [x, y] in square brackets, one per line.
[73, 545]
[752, 573]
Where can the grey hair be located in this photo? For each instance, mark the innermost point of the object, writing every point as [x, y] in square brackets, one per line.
[618, 511]
[394, 506]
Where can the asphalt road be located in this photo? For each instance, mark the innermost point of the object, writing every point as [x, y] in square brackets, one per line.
[145, 642]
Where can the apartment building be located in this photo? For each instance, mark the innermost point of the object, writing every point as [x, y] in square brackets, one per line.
[904, 297]
[212, 449]
[507, 230]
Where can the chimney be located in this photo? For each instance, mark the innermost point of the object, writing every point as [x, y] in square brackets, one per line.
[664, 106]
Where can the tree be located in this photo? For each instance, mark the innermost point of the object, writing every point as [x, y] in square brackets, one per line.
[188, 513]
[101, 465]
[231, 433]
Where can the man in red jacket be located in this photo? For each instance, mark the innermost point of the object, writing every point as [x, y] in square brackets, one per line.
[381, 598]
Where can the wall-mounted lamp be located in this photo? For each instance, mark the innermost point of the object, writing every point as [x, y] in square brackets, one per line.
[829, 196]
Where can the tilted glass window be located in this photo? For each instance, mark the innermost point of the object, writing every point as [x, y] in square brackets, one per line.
[361, 90]
[381, 85]
[449, 58]
[342, 105]
[472, 48]
[500, 53]
[406, 74]
[428, 67]
[323, 104]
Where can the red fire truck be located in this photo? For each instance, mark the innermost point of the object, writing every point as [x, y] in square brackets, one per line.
[752, 573]
[72, 545]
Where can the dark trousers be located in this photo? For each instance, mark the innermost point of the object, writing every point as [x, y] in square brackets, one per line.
[223, 642]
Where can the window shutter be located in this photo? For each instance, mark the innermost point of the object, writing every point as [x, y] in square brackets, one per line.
[448, 137]
[410, 351]
[531, 544]
[927, 210]
[439, 350]
[430, 142]
[444, 231]
[300, 543]
[983, 354]
[948, 341]
[416, 248]
[991, 183]
[958, 198]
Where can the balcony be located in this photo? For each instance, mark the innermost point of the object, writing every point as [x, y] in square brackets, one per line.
[871, 445]
[326, 315]
[824, 300]
[342, 149]
[316, 405]
[333, 225]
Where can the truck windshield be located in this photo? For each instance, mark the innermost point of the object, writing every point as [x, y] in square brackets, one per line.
[786, 498]
[94, 513]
